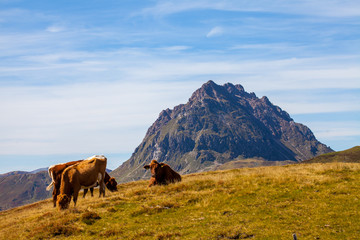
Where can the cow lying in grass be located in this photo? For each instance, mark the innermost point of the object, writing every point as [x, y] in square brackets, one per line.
[162, 174]
[87, 174]
[56, 171]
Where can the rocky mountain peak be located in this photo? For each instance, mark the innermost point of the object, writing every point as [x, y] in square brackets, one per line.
[220, 124]
[208, 90]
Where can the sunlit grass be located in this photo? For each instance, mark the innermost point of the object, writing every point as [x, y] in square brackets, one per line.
[315, 201]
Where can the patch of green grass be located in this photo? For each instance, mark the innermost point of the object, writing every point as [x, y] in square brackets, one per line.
[349, 155]
[315, 201]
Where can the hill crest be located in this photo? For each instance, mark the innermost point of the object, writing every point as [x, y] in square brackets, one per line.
[351, 155]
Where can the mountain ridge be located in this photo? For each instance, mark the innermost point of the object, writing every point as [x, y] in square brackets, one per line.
[220, 124]
[23, 188]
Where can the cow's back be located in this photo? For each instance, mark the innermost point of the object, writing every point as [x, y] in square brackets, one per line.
[88, 166]
[174, 176]
[59, 168]
[89, 171]
[170, 175]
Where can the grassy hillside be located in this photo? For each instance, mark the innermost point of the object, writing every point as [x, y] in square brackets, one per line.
[251, 162]
[349, 155]
[315, 201]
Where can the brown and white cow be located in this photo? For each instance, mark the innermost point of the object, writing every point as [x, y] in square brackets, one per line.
[162, 174]
[86, 174]
[55, 172]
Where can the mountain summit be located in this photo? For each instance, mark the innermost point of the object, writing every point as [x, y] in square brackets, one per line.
[220, 124]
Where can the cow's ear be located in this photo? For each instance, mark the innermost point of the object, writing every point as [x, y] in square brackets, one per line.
[147, 166]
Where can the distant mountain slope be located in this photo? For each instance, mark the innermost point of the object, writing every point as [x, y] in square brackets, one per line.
[23, 172]
[23, 188]
[349, 155]
[12, 173]
[221, 124]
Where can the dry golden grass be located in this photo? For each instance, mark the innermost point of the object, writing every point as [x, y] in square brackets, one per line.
[315, 201]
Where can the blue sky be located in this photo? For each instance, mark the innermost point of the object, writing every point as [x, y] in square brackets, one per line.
[79, 78]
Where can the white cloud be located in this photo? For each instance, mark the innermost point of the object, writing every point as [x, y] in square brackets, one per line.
[112, 114]
[91, 93]
[214, 32]
[334, 8]
[138, 64]
[55, 29]
[79, 118]
[175, 48]
[331, 130]
[299, 107]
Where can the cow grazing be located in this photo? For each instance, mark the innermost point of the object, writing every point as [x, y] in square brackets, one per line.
[55, 172]
[110, 184]
[87, 174]
[162, 174]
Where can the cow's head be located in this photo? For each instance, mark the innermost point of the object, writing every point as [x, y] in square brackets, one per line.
[111, 184]
[155, 168]
[63, 201]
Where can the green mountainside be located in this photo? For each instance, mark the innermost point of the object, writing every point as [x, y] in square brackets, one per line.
[220, 124]
[349, 155]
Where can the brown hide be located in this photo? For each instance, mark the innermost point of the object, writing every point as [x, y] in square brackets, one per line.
[162, 174]
[84, 174]
[55, 172]
[110, 182]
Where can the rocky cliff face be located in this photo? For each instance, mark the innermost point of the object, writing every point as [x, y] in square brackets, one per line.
[221, 124]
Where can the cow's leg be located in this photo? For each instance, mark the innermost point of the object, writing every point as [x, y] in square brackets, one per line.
[76, 189]
[85, 191]
[76, 194]
[92, 191]
[102, 186]
[54, 196]
[101, 190]
[152, 182]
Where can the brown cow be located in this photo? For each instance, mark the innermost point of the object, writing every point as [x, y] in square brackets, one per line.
[55, 172]
[162, 174]
[85, 174]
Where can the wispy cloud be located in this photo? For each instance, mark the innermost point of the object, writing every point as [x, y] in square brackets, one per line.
[335, 129]
[175, 48]
[214, 32]
[333, 8]
[55, 29]
[77, 118]
[94, 80]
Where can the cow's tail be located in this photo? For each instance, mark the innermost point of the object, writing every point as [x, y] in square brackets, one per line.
[52, 180]
[49, 187]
